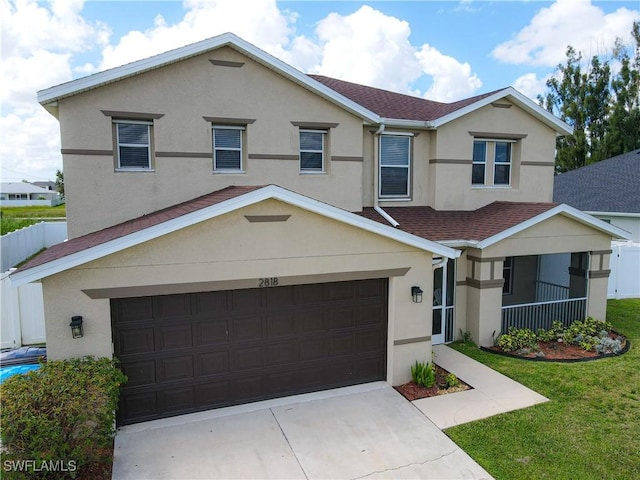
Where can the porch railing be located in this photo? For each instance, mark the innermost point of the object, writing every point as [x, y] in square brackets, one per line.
[547, 292]
[539, 315]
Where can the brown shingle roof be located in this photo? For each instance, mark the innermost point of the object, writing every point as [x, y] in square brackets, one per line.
[100, 237]
[395, 105]
[474, 225]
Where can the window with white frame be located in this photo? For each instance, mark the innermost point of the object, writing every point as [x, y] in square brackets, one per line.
[133, 140]
[395, 161]
[492, 160]
[479, 169]
[227, 148]
[312, 150]
[502, 163]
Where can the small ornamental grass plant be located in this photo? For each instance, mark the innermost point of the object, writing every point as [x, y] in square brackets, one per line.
[62, 414]
[424, 374]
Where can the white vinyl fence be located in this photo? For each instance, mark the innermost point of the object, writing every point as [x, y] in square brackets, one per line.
[19, 245]
[22, 314]
[22, 308]
[624, 281]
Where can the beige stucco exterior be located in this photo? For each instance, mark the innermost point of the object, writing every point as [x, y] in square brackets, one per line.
[186, 97]
[230, 252]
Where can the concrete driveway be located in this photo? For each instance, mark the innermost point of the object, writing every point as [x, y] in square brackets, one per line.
[366, 431]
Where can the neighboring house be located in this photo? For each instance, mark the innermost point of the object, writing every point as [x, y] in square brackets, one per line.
[608, 190]
[239, 230]
[48, 184]
[21, 194]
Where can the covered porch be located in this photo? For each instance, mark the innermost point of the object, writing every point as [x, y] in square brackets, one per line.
[541, 289]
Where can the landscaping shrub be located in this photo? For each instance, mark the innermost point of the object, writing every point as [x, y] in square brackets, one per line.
[58, 418]
[424, 374]
[518, 339]
[552, 334]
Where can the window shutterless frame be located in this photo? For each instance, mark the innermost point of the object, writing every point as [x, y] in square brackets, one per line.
[479, 167]
[227, 148]
[133, 144]
[312, 146]
[394, 165]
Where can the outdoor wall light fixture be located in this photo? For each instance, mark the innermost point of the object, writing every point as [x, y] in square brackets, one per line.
[76, 326]
[416, 293]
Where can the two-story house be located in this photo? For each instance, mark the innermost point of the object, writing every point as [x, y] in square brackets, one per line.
[239, 230]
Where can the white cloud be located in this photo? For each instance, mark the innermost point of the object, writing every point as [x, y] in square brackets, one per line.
[38, 41]
[258, 22]
[566, 22]
[531, 86]
[374, 49]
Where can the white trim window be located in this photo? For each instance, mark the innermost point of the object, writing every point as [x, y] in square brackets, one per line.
[479, 168]
[133, 140]
[502, 163]
[394, 170]
[227, 148]
[312, 151]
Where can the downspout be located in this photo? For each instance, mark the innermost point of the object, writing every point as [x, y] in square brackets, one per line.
[438, 262]
[376, 185]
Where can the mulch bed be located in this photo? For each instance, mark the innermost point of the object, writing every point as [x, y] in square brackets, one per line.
[411, 391]
[561, 352]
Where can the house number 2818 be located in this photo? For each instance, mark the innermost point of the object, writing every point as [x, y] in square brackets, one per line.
[268, 282]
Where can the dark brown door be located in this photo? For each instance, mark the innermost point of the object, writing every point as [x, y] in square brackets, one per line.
[190, 352]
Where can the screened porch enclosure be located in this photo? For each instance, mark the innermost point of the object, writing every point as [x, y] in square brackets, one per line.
[541, 289]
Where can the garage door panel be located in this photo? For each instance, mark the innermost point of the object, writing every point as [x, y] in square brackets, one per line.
[341, 344]
[210, 331]
[134, 341]
[211, 303]
[282, 324]
[282, 354]
[206, 350]
[176, 400]
[140, 406]
[246, 358]
[246, 300]
[168, 306]
[140, 372]
[175, 368]
[213, 394]
[247, 328]
[312, 321]
[174, 337]
[213, 363]
[133, 309]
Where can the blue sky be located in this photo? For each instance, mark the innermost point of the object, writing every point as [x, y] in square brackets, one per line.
[442, 50]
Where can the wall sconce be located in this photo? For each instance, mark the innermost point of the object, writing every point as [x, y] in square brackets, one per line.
[416, 293]
[76, 326]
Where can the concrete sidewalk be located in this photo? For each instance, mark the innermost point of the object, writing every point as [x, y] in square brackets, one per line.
[492, 393]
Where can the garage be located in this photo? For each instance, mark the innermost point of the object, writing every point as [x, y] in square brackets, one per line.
[184, 353]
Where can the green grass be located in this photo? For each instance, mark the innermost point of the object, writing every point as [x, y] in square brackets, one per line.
[589, 430]
[34, 212]
[15, 218]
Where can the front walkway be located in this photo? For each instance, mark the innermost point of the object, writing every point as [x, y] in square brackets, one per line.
[492, 393]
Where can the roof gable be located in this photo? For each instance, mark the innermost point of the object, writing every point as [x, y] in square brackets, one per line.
[485, 226]
[87, 248]
[373, 105]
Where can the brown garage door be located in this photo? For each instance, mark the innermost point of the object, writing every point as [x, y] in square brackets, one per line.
[189, 352]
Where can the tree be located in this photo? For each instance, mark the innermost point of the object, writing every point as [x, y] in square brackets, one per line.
[60, 183]
[604, 110]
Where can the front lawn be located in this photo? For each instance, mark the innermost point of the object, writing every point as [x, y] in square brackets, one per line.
[589, 429]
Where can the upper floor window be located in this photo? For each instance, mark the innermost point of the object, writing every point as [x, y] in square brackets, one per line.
[133, 140]
[395, 160]
[312, 150]
[491, 162]
[227, 148]
[479, 169]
